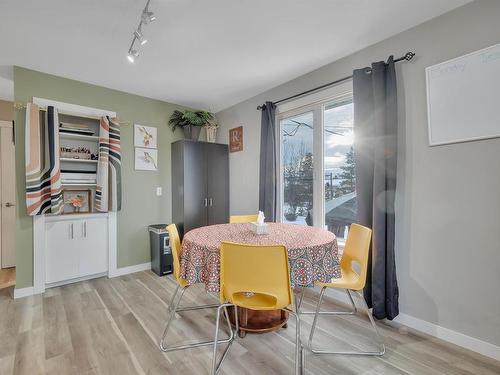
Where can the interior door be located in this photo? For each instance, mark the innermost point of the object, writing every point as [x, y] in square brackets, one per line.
[217, 183]
[195, 185]
[8, 195]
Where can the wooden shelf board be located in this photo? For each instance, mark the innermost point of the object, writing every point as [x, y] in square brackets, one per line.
[80, 137]
[78, 160]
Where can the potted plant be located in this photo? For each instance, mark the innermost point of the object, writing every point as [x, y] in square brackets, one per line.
[190, 122]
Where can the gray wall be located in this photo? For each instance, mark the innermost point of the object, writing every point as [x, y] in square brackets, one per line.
[448, 198]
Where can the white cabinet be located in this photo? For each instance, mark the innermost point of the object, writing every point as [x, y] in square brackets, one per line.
[61, 253]
[76, 248]
[93, 246]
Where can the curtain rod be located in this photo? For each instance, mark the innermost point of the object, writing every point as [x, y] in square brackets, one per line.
[407, 57]
[23, 106]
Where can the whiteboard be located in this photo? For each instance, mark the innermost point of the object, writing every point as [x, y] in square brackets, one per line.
[463, 98]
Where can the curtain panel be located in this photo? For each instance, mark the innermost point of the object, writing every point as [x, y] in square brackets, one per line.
[43, 172]
[267, 171]
[108, 195]
[375, 149]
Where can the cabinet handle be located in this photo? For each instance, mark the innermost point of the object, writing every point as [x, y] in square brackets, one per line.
[72, 232]
[85, 229]
[206, 202]
[210, 202]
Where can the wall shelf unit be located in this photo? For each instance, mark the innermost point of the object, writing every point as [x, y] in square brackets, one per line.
[74, 246]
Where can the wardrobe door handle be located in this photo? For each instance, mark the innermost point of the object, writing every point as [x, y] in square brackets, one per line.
[72, 231]
[206, 202]
[210, 202]
[85, 229]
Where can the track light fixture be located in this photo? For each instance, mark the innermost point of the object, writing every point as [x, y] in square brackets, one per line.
[146, 17]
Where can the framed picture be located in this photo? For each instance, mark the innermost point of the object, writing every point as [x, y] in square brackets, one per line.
[76, 201]
[145, 136]
[146, 159]
[236, 139]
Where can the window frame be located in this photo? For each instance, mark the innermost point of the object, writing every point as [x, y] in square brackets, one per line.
[316, 104]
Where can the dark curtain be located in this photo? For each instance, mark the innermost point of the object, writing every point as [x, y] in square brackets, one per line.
[267, 177]
[375, 149]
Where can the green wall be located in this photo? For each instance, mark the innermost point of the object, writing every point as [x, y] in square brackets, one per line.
[140, 205]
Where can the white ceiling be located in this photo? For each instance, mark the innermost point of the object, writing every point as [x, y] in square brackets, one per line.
[201, 53]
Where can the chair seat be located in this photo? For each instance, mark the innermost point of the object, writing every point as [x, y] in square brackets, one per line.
[255, 301]
[349, 280]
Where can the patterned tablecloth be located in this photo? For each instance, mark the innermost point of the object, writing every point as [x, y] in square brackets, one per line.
[313, 252]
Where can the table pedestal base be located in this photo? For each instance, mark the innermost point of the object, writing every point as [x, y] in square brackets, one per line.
[259, 321]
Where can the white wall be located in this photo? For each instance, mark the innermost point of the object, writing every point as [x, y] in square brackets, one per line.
[448, 199]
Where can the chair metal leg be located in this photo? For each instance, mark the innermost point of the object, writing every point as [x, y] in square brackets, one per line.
[215, 365]
[316, 314]
[174, 308]
[302, 291]
[366, 353]
[298, 346]
[352, 312]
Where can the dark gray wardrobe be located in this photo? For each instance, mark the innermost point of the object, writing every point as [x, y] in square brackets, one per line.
[200, 184]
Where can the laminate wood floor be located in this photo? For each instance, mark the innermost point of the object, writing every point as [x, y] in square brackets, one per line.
[112, 326]
[7, 277]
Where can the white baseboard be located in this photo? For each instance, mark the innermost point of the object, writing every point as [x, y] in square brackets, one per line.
[482, 347]
[131, 269]
[23, 292]
[29, 291]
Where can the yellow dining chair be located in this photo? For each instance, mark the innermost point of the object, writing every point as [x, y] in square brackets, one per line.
[257, 278]
[242, 219]
[182, 286]
[356, 251]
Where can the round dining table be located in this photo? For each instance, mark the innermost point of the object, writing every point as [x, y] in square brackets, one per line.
[312, 253]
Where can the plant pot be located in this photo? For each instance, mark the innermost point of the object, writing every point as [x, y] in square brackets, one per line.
[192, 132]
[290, 216]
[211, 133]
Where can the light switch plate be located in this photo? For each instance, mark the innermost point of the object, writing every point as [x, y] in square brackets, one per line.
[158, 191]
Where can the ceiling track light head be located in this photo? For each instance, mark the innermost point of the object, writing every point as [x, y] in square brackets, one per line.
[132, 54]
[147, 16]
[140, 36]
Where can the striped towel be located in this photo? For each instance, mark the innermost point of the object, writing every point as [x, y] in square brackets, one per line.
[108, 195]
[43, 174]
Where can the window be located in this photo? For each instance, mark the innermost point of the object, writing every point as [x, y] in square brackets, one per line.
[340, 204]
[317, 178]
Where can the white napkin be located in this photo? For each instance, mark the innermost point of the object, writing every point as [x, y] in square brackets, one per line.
[260, 218]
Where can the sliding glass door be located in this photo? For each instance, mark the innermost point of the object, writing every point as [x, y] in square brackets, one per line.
[317, 179]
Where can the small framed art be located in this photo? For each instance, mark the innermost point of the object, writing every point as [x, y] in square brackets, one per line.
[77, 201]
[146, 159]
[145, 136]
[236, 139]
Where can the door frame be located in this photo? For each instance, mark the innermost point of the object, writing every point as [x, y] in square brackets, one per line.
[9, 125]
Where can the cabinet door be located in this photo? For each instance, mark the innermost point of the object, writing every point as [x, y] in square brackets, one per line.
[61, 256]
[93, 246]
[195, 185]
[218, 183]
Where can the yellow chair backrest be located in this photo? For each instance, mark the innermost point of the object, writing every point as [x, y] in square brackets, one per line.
[242, 219]
[356, 250]
[255, 269]
[175, 245]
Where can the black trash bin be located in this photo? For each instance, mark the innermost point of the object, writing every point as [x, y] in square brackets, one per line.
[161, 253]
